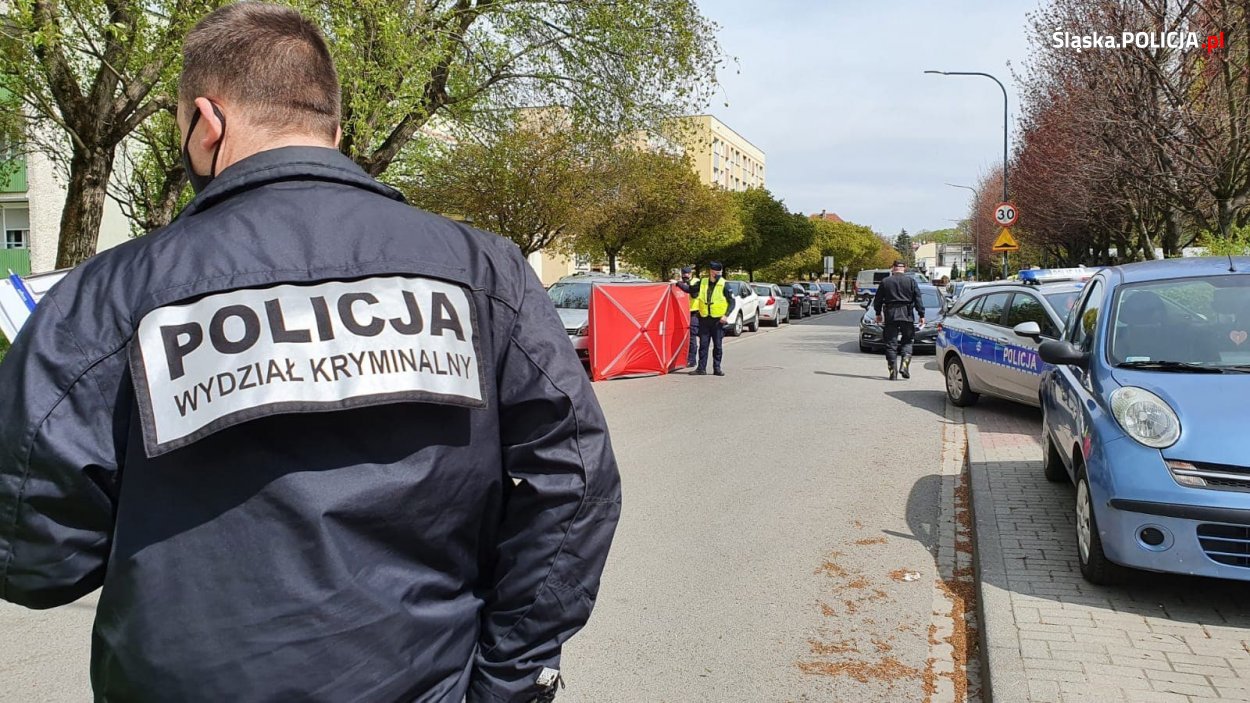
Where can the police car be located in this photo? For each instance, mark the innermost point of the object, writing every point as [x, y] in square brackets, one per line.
[988, 342]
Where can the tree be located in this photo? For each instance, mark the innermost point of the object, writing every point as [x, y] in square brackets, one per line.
[638, 194]
[527, 183]
[82, 76]
[769, 233]
[902, 244]
[713, 226]
[88, 73]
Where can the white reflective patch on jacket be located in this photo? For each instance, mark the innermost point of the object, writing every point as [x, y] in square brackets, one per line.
[239, 355]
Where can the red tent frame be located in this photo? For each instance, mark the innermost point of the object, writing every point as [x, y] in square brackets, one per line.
[637, 328]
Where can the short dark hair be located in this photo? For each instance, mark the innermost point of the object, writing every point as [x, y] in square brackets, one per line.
[899, 263]
[270, 59]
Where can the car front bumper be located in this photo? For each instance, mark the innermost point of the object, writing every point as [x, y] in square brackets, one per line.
[872, 337]
[581, 345]
[1206, 532]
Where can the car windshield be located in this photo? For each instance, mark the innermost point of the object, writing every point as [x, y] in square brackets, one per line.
[763, 290]
[1063, 301]
[574, 296]
[787, 291]
[1192, 321]
[827, 287]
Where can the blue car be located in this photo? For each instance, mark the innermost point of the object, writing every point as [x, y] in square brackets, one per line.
[1147, 411]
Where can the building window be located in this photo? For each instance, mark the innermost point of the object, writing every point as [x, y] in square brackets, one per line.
[16, 224]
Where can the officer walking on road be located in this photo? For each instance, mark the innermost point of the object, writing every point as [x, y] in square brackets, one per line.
[687, 284]
[312, 443]
[897, 297]
[714, 303]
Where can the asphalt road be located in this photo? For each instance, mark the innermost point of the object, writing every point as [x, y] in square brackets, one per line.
[770, 519]
[776, 543]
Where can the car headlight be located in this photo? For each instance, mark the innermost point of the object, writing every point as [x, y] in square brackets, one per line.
[1145, 417]
[584, 330]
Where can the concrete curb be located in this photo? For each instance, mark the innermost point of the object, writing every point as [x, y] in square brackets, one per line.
[1002, 664]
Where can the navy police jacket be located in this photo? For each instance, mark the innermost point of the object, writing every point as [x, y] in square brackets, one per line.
[312, 444]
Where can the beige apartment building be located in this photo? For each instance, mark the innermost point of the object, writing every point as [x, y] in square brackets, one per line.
[720, 155]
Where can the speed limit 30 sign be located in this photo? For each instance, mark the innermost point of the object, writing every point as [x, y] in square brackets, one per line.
[1006, 214]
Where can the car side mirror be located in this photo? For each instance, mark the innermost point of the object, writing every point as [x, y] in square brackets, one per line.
[1063, 354]
[866, 304]
[1028, 330]
[744, 294]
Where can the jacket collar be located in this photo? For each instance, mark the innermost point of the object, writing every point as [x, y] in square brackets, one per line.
[289, 163]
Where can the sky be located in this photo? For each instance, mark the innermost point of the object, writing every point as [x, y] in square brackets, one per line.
[834, 93]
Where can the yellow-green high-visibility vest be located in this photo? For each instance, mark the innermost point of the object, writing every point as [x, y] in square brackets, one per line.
[712, 302]
[694, 302]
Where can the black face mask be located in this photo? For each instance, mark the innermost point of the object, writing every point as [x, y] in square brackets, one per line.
[199, 182]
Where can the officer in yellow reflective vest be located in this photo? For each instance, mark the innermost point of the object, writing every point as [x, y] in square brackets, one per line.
[714, 304]
[687, 283]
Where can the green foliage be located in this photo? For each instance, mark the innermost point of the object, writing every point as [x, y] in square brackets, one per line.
[902, 244]
[852, 246]
[1237, 243]
[4, 347]
[527, 183]
[770, 233]
[711, 225]
[638, 199]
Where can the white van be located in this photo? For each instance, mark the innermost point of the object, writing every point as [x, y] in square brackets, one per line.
[866, 283]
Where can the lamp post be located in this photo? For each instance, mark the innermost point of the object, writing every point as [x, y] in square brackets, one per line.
[976, 239]
[1005, 130]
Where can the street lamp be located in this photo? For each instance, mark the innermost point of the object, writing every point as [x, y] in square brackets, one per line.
[1005, 130]
[976, 239]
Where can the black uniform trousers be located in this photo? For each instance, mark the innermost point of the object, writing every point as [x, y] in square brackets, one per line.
[693, 355]
[711, 332]
[892, 329]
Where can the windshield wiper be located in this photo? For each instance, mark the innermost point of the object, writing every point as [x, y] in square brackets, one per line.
[1178, 366]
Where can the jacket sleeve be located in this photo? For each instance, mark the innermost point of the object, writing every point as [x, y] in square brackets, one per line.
[731, 299]
[58, 460]
[878, 299]
[560, 515]
[917, 299]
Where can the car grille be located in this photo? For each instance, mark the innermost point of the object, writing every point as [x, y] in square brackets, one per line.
[1226, 544]
[1220, 477]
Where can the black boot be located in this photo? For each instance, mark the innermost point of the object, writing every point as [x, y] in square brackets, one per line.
[905, 369]
[893, 370]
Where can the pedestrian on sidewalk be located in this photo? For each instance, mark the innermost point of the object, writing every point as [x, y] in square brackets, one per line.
[715, 304]
[311, 443]
[897, 303]
[686, 284]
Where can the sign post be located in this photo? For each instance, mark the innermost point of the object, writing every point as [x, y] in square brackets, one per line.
[829, 269]
[1006, 214]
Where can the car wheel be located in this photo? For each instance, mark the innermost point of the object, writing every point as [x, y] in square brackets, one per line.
[1095, 566]
[736, 330]
[957, 384]
[755, 323]
[1052, 463]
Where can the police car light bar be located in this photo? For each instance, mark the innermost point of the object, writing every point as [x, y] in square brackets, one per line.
[1039, 276]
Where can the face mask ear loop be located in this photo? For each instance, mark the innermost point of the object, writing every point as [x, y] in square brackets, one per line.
[195, 119]
[212, 171]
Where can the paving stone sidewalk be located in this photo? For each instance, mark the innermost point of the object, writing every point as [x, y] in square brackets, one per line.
[1050, 636]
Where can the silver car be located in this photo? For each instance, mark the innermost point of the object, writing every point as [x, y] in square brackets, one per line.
[988, 342]
[774, 306]
[571, 296]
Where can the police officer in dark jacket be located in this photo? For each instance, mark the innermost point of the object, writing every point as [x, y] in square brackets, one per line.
[686, 285]
[897, 297]
[313, 444]
[714, 304]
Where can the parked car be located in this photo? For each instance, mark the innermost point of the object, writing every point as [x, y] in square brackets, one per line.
[746, 312]
[872, 335]
[800, 301]
[813, 293]
[571, 296]
[833, 297]
[1145, 411]
[774, 306]
[979, 352]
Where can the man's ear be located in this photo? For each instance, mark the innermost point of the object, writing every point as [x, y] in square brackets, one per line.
[338, 135]
[210, 127]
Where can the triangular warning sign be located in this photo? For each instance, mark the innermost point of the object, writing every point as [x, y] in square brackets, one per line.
[1006, 242]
